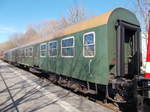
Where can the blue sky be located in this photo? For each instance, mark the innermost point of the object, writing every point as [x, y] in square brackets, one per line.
[16, 15]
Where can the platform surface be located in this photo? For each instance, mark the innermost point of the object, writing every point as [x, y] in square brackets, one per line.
[21, 91]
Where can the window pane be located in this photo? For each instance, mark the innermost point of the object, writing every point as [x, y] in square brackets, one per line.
[22, 52]
[43, 53]
[89, 50]
[67, 47]
[43, 47]
[53, 52]
[26, 52]
[35, 52]
[89, 39]
[53, 49]
[53, 45]
[68, 51]
[43, 50]
[30, 51]
[67, 42]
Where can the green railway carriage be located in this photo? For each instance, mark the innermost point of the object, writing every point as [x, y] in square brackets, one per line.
[94, 65]
[85, 51]
[103, 50]
[91, 51]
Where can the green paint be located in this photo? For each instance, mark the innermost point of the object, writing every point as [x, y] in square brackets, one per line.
[78, 66]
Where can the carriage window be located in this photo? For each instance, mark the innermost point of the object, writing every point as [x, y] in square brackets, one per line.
[36, 52]
[89, 44]
[53, 49]
[30, 50]
[43, 50]
[23, 52]
[26, 52]
[67, 47]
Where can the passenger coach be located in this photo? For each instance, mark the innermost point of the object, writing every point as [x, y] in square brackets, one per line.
[98, 55]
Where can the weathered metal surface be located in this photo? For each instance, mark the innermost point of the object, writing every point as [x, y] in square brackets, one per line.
[78, 67]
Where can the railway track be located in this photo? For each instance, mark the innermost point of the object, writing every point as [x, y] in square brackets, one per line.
[112, 106]
[109, 105]
[10, 69]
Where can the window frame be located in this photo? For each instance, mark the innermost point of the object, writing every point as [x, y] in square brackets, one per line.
[94, 43]
[43, 50]
[26, 52]
[21, 52]
[29, 52]
[53, 48]
[68, 47]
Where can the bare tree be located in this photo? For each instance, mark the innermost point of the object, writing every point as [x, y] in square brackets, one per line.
[15, 40]
[49, 27]
[64, 22]
[30, 35]
[76, 14]
[46, 29]
[142, 10]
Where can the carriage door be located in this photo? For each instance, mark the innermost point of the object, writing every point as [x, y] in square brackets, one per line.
[128, 49]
